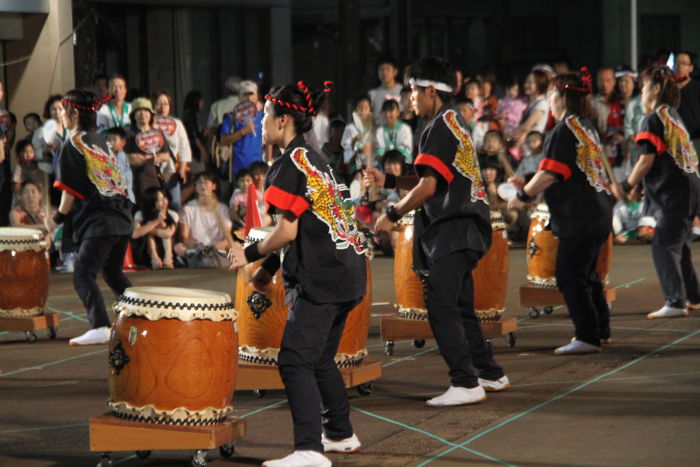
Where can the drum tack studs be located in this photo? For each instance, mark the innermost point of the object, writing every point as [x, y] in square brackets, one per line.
[532, 248]
[258, 303]
[118, 358]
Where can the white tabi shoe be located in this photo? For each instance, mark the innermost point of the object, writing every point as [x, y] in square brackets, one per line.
[577, 347]
[458, 396]
[344, 446]
[300, 459]
[495, 385]
[96, 336]
[693, 306]
[668, 312]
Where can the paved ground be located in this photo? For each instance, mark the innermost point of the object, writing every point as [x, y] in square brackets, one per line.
[636, 403]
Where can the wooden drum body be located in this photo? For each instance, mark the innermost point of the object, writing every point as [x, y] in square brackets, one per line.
[263, 318]
[410, 298]
[173, 356]
[542, 248]
[24, 272]
[491, 274]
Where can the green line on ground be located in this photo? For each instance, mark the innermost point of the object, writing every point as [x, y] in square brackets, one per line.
[40, 428]
[410, 356]
[44, 365]
[431, 435]
[68, 313]
[560, 396]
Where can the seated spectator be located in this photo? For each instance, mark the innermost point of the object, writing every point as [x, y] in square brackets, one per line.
[239, 198]
[532, 155]
[30, 211]
[393, 134]
[157, 224]
[357, 143]
[258, 170]
[394, 162]
[334, 150]
[629, 221]
[494, 151]
[466, 109]
[205, 227]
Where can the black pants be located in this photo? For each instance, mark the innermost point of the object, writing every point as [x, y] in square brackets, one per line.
[582, 288]
[95, 254]
[673, 261]
[450, 302]
[310, 375]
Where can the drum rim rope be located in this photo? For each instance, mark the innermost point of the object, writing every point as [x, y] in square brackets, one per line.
[132, 305]
[178, 416]
[23, 240]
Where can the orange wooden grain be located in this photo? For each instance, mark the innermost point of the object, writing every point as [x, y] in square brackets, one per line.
[407, 286]
[491, 275]
[25, 279]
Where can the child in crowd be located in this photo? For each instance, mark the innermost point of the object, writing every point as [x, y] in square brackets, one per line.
[32, 122]
[258, 170]
[494, 151]
[116, 139]
[394, 134]
[237, 203]
[532, 155]
[466, 108]
[629, 221]
[27, 167]
[157, 224]
[511, 107]
[334, 150]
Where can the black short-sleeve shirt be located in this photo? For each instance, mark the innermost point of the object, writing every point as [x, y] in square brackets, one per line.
[672, 184]
[89, 171]
[579, 201]
[457, 216]
[326, 259]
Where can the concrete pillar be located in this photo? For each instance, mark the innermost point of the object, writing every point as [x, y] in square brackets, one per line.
[48, 43]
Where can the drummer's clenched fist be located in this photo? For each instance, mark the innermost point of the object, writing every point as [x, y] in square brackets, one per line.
[374, 177]
[261, 280]
[236, 256]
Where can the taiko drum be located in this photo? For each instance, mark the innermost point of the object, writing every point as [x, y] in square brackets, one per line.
[263, 317]
[173, 356]
[410, 299]
[491, 274]
[542, 248]
[24, 272]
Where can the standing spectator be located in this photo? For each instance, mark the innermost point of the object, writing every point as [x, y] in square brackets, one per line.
[220, 108]
[490, 109]
[176, 135]
[32, 122]
[388, 89]
[244, 135]
[101, 86]
[626, 90]
[689, 110]
[511, 107]
[537, 113]
[204, 222]
[634, 115]
[318, 136]
[357, 140]
[158, 224]
[116, 139]
[394, 134]
[408, 114]
[608, 113]
[47, 148]
[146, 149]
[116, 112]
[194, 104]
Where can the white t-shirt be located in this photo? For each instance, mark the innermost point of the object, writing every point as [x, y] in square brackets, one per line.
[378, 95]
[220, 108]
[176, 137]
[539, 104]
[106, 114]
[203, 224]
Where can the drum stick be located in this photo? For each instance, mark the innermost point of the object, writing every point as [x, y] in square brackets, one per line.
[608, 169]
[220, 221]
[507, 168]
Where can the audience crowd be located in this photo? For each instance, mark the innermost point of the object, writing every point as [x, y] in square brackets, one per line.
[189, 178]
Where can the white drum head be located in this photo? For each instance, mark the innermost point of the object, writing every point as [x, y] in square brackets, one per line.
[20, 239]
[180, 303]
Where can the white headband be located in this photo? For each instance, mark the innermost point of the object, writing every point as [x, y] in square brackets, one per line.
[426, 82]
[631, 74]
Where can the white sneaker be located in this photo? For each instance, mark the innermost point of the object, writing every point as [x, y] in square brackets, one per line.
[577, 347]
[693, 306]
[300, 459]
[458, 396]
[92, 337]
[344, 446]
[668, 312]
[495, 385]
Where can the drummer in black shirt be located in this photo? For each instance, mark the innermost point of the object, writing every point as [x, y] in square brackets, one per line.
[323, 272]
[577, 190]
[669, 167]
[452, 231]
[94, 193]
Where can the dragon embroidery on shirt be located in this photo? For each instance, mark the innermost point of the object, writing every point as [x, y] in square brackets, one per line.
[678, 142]
[465, 160]
[329, 205]
[102, 167]
[589, 154]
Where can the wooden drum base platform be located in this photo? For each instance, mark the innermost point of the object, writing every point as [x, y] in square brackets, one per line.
[30, 324]
[532, 297]
[258, 378]
[396, 328]
[109, 433]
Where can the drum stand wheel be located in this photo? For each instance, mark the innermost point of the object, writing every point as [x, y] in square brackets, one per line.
[199, 458]
[365, 389]
[510, 339]
[30, 324]
[419, 343]
[105, 460]
[227, 450]
[31, 336]
[389, 348]
[143, 454]
[258, 393]
[535, 313]
[52, 332]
